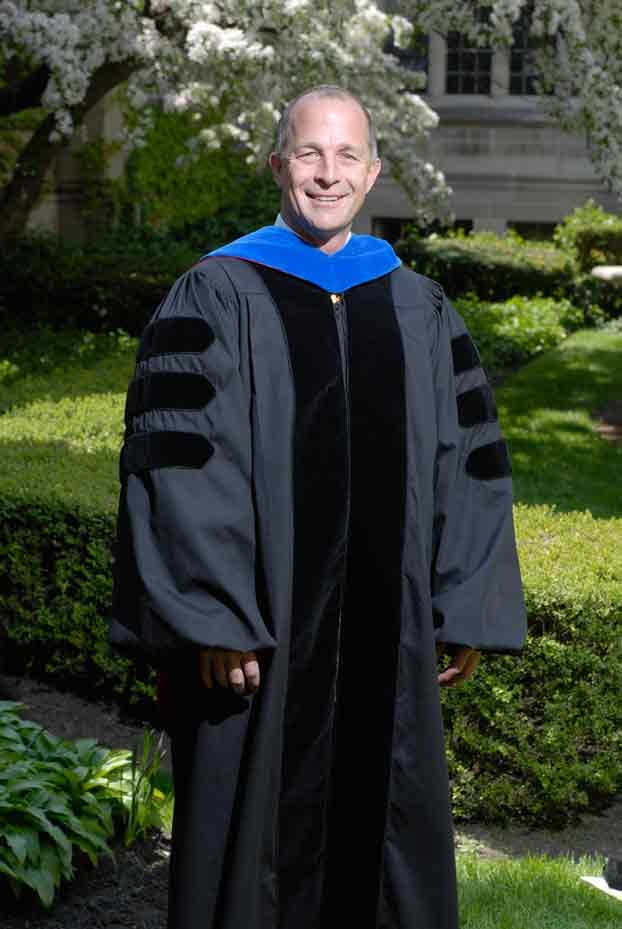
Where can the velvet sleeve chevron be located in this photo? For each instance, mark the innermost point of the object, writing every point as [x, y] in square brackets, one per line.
[476, 585]
[185, 555]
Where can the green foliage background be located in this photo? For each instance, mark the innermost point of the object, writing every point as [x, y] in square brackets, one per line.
[209, 197]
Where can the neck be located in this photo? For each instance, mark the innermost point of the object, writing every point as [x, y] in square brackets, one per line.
[329, 244]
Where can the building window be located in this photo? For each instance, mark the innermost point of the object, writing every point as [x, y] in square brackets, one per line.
[468, 67]
[523, 72]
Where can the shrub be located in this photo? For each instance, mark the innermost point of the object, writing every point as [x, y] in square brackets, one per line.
[490, 266]
[591, 236]
[510, 333]
[114, 285]
[59, 798]
[494, 268]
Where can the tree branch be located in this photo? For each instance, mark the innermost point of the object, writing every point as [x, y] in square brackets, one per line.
[24, 189]
[25, 94]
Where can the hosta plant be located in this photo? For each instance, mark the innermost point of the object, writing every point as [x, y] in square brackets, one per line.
[59, 799]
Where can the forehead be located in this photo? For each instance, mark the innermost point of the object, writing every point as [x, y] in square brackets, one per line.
[334, 119]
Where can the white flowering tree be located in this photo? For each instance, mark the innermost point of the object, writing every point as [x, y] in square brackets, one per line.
[577, 55]
[245, 58]
[240, 57]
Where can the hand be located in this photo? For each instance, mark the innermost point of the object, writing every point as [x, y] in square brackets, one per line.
[238, 670]
[462, 665]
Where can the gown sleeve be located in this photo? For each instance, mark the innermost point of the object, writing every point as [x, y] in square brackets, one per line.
[185, 560]
[477, 595]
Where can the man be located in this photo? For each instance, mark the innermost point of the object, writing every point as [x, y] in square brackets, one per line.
[315, 497]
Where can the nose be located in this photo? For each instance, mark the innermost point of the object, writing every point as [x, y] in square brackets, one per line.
[327, 170]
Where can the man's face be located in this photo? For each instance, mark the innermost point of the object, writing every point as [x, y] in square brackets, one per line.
[326, 171]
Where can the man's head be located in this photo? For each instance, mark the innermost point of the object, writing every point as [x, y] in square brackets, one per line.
[325, 164]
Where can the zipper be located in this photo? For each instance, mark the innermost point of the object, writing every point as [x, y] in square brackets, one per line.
[339, 310]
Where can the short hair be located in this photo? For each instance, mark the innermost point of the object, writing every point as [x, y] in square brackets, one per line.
[325, 90]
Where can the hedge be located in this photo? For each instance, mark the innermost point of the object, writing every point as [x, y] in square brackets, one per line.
[537, 739]
[591, 236]
[487, 265]
[510, 333]
[106, 286]
[492, 268]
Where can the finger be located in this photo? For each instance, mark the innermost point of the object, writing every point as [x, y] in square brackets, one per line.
[251, 671]
[462, 667]
[453, 672]
[235, 674]
[205, 667]
[450, 676]
[220, 670]
[471, 664]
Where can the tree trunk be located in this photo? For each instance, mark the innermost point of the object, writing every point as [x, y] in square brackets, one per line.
[22, 192]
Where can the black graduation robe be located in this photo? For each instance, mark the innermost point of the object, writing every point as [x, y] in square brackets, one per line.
[313, 469]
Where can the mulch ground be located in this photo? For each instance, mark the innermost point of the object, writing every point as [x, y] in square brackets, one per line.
[130, 891]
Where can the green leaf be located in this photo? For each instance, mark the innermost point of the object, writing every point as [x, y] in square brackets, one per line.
[18, 842]
[40, 880]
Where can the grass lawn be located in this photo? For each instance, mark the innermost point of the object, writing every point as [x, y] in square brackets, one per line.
[533, 893]
[558, 458]
[62, 397]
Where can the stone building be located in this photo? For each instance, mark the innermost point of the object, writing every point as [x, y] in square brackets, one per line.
[507, 162]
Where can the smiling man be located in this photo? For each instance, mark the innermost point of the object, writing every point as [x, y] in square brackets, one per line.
[316, 502]
[326, 164]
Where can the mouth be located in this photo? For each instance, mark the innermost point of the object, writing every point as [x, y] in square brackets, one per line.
[326, 198]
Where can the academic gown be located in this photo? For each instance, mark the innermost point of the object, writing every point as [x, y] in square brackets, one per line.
[312, 469]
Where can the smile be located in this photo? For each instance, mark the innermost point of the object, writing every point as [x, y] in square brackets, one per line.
[326, 198]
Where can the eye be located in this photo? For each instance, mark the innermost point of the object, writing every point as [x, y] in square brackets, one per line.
[348, 156]
[308, 156]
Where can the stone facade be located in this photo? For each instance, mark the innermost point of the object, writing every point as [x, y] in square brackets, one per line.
[505, 161]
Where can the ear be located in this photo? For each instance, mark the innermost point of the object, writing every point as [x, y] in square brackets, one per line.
[372, 174]
[276, 163]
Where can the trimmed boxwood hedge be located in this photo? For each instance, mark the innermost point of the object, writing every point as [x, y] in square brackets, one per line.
[492, 268]
[537, 739]
[100, 287]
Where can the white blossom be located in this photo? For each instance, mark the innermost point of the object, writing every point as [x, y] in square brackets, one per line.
[246, 59]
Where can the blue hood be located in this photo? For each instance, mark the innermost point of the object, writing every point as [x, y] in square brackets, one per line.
[363, 259]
